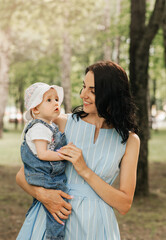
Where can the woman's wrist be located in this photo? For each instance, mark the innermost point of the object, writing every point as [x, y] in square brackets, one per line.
[86, 174]
[39, 193]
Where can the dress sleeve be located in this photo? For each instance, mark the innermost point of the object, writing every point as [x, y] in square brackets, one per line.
[40, 132]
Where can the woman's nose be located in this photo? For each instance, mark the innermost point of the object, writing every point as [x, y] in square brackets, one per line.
[83, 93]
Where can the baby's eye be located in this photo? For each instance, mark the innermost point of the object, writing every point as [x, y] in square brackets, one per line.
[49, 100]
[57, 99]
[84, 86]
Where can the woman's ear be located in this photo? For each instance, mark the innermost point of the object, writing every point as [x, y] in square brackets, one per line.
[35, 111]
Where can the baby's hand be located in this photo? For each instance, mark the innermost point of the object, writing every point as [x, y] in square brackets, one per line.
[61, 122]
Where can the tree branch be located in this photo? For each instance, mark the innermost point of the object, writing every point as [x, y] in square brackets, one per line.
[155, 21]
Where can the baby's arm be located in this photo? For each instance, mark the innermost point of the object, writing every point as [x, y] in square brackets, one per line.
[61, 122]
[45, 154]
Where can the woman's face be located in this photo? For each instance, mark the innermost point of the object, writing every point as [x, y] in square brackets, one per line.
[88, 94]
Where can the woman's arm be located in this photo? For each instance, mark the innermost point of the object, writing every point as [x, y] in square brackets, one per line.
[121, 198]
[52, 199]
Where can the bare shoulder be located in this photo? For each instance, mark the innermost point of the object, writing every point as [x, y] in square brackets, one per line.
[132, 150]
[133, 141]
[133, 137]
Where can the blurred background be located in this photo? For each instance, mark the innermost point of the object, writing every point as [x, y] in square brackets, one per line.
[53, 41]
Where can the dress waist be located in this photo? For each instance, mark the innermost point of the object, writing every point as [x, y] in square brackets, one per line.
[82, 191]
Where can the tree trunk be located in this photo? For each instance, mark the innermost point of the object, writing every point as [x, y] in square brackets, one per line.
[66, 59]
[4, 78]
[143, 123]
[117, 39]
[21, 98]
[66, 71]
[107, 24]
[164, 36]
[141, 37]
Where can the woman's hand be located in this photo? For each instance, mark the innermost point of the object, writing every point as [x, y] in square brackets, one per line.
[54, 202]
[74, 155]
[51, 199]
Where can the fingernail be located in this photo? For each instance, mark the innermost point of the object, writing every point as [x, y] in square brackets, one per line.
[63, 224]
[71, 196]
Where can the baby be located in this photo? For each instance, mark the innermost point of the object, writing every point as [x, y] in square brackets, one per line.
[42, 164]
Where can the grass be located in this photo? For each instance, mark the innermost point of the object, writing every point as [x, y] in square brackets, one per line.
[145, 221]
[11, 141]
[10, 148]
[157, 149]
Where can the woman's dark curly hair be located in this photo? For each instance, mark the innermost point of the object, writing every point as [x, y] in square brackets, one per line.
[113, 98]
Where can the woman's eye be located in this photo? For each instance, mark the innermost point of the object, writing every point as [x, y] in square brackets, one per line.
[83, 86]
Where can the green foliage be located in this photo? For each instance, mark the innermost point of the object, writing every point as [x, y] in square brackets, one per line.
[23, 74]
[157, 71]
[36, 35]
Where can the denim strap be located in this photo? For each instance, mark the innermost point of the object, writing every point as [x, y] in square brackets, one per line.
[34, 121]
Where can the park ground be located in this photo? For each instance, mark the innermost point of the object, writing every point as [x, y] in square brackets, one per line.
[145, 221]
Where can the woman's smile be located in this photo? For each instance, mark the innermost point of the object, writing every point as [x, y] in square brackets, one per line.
[86, 103]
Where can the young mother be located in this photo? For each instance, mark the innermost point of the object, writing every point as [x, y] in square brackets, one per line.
[103, 133]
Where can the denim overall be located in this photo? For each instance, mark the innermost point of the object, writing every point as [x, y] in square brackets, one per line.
[47, 174]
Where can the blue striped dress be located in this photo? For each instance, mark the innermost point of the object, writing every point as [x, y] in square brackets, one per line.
[91, 217]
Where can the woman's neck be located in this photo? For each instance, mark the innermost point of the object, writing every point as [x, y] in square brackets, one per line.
[94, 119]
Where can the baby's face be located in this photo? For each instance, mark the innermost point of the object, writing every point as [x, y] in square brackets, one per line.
[49, 108]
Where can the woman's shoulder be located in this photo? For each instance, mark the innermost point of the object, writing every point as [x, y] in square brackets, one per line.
[133, 137]
[133, 140]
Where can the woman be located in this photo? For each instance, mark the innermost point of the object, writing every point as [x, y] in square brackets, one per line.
[104, 141]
